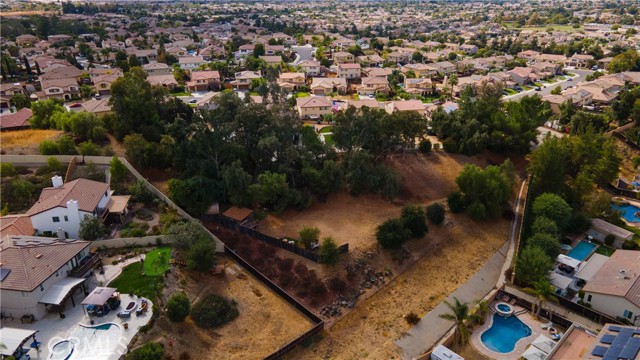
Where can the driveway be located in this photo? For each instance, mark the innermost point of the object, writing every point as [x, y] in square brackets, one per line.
[580, 75]
[303, 53]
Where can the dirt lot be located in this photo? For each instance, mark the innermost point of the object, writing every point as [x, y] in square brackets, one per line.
[25, 142]
[626, 154]
[266, 322]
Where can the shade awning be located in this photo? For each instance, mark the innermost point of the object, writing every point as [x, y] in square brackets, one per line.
[533, 353]
[544, 343]
[59, 291]
[118, 203]
[560, 281]
[99, 296]
[13, 339]
[591, 268]
[569, 261]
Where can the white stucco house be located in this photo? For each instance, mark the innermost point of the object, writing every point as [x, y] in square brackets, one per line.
[615, 288]
[39, 275]
[63, 206]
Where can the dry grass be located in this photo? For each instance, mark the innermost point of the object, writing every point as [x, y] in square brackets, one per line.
[26, 141]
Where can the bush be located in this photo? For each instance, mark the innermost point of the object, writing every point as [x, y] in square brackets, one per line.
[329, 252]
[412, 318]
[547, 243]
[544, 225]
[213, 311]
[630, 245]
[48, 147]
[309, 235]
[425, 146]
[140, 193]
[456, 202]
[91, 228]
[477, 211]
[609, 239]
[7, 169]
[413, 219]
[149, 351]
[202, 255]
[392, 233]
[553, 207]
[435, 213]
[337, 285]
[178, 307]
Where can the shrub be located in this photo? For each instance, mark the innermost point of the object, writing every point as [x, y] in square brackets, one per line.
[213, 311]
[477, 211]
[329, 252]
[392, 233]
[435, 213]
[178, 307]
[91, 228]
[630, 245]
[553, 207]
[547, 243]
[48, 147]
[425, 146]
[202, 255]
[544, 225]
[413, 219]
[412, 318]
[149, 351]
[309, 235]
[7, 169]
[337, 285]
[456, 202]
[609, 239]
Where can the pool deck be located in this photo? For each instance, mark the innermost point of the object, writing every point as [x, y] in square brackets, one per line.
[52, 329]
[521, 345]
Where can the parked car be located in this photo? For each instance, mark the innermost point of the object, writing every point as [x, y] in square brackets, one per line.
[97, 96]
[193, 101]
[570, 79]
[538, 88]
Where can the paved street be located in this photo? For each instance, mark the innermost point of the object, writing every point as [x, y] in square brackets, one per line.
[579, 76]
[303, 52]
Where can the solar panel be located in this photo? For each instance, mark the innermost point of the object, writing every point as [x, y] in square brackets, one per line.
[614, 328]
[630, 350]
[599, 351]
[4, 272]
[607, 339]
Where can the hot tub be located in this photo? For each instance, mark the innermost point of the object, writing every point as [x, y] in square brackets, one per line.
[504, 309]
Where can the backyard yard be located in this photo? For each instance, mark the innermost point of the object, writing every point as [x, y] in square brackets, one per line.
[144, 278]
[26, 141]
[156, 262]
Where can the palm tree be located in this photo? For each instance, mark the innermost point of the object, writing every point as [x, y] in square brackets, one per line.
[543, 292]
[459, 313]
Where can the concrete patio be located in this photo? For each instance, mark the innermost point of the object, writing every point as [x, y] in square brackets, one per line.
[52, 329]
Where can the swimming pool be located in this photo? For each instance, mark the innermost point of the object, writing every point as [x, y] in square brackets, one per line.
[628, 212]
[100, 342]
[582, 250]
[504, 333]
[62, 350]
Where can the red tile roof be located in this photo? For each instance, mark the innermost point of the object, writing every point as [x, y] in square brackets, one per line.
[16, 120]
[16, 225]
[87, 192]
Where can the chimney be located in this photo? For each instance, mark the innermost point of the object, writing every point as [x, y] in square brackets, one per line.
[61, 235]
[622, 274]
[57, 181]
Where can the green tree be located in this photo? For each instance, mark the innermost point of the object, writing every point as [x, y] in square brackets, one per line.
[489, 188]
[66, 146]
[271, 190]
[21, 193]
[392, 233]
[7, 169]
[20, 101]
[202, 255]
[627, 61]
[195, 194]
[553, 207]
[118, 171]
[258, 50]
[309, 235]
[414, 219]
[456, 202]
[87, 91]
[48, 147]
[91, 228]
[213, 311]
[329, 252]
[544, 225]
[543, 292]
[417, 57]
[533, 265]
[548, 243]
[557, 90]
[435, 213]
[42, 112]
[236, 182]
[185, 234]
[88, 148]
[178, 307]
[459, 314]
[148, 351]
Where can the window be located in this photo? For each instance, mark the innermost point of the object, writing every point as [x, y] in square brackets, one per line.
[56, 219]
[589, 298]
[66, 218]
[628, 314]
[41, 287]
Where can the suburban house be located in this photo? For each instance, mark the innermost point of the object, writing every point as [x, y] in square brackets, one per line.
[37, 273]
[313, 107]
[341, 57]
[273, 49]
[167, 81]
[359, 104]
[243, 79]
[376, 71]
[63, 206]
[26, 40]
[190, 62]
[373, 85]
[554, 101]
[469, 49]
[615, 288]
[324, 86]
[53, 39]
[419, 86]
[103, 83]
[421, 70]
[291, 81]
[349, 71]
[273, 60]
[579, 60]
[600, 229]
[98, 107]
[580, 343]
[65, 89]
[7, 91]
[522, 75]
[157, 69]
[15, 121]
[370, 60]
[310, 67]
[405, 105]
[398, 57]
[528, 55]
[203, 80]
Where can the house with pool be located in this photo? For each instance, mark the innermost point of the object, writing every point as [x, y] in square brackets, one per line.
[613, 342]
[614, 289]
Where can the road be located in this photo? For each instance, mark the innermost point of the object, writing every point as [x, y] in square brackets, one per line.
[303, 53]
[579, 76]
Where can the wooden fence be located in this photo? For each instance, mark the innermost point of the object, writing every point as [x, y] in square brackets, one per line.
[234, 225]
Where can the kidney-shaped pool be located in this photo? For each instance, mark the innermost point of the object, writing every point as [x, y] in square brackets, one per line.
[504, 333]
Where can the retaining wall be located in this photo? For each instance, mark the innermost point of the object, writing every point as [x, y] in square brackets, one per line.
[134, 241]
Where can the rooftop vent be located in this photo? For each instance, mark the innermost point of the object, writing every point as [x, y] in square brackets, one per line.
[39, 256]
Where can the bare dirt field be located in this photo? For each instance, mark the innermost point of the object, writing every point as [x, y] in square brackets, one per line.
[626, 154]
[25, 142]
[265, 324]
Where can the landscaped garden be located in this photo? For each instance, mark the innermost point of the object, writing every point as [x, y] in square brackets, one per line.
[134, 280]
[156, 262]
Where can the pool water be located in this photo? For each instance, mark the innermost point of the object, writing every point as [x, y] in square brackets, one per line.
[62, 350]
[582, 250]
[628, 212]
[504, 307]
[100, 342]
[504, 333]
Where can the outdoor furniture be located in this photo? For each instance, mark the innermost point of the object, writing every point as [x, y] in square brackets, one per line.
[547, 325]
[27, 318]
[505, 298]
[512, 301]
[143, 307]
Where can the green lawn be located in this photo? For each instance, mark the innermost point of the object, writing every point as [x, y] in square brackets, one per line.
[326, 129]
[132, 281]
[356, 97]
[328, 139]
[302, 94]
[567, 28]
[571, 74]
[527, 87]
[537, 84]
[181, 93]
[605, 250]
[510, 91]
[156, 262]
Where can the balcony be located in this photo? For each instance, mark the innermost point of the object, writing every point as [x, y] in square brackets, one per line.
[87, 263]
